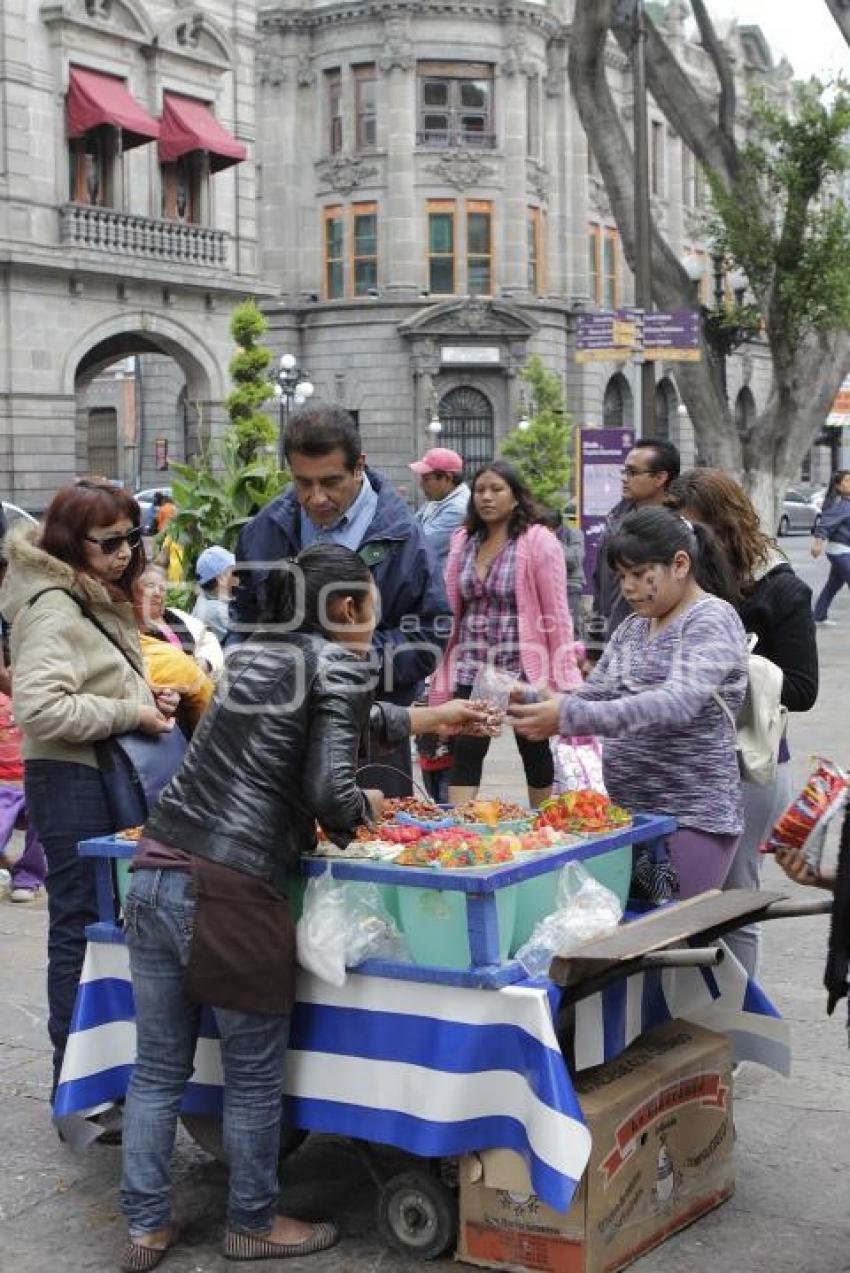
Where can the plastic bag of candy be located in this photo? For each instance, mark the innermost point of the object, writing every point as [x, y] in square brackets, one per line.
[804, 822]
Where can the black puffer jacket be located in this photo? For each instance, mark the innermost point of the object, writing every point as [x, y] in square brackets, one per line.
[276, 750]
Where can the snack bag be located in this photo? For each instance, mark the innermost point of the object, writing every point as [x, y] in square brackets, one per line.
[803, 823]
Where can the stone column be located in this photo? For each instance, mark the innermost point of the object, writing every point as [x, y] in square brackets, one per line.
[403, 265]
[512, 105]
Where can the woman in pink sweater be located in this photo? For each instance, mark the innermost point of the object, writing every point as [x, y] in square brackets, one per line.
[507, 587]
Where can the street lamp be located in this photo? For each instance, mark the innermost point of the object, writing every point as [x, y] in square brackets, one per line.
[292, 388]
[435, 424]
[523, 423]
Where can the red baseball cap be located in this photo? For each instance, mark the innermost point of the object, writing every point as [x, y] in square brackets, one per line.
[438, 460]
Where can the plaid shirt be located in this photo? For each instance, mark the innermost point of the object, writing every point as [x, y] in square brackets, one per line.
[489, 627]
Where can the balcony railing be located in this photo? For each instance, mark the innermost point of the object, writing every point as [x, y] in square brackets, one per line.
[146, 238]
[456, 137]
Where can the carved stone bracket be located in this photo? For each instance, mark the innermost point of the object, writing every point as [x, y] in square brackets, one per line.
[305, 74]
[597, 196]
[188, 33]
[693, 221]
[398, 48]
[538, 178]
[270, 66]
[660, 209]
[461, 169]
[344, 173]
[99, 9]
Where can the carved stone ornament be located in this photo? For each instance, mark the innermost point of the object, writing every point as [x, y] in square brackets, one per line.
[495, 320]
[516, 61]
[461, 169]
[397, 45]
[537, 176]
[305, 74]
[597, 196]
[188, 33]
[659, 209]
[99, 9]
[343, 174]
[693, 223]
[270, 66]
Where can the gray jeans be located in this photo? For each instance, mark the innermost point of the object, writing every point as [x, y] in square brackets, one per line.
[762, 807]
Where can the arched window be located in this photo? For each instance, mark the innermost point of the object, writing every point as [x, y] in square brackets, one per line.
[102, 442]
[745, 409]
[617, 403]
[467, 420]
[666, 406]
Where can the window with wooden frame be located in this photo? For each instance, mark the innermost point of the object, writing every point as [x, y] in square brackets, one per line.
[594, 262]
[185, 184]
[534, 244]
[656, 158]
[442, 215]
[455, 104]
[532, 117]
[365, 107]
[364, 247]
[92, 160]
[479, 248]
[610, 268]
[333, 105]
[334, 252]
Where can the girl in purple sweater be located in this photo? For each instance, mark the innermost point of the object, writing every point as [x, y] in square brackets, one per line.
[668, 746]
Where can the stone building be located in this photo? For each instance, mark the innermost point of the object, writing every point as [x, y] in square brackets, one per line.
[127, 222]
[417, 213]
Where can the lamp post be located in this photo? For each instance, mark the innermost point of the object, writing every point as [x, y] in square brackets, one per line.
[435, 424]
[524, 423]
[292, 388]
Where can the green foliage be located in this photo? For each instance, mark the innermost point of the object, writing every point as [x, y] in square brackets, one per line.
[542, 451]
[216, 499]
[777, 221]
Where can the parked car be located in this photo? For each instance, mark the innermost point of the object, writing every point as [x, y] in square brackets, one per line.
[800, 511]
[144, 499]
[14, 514]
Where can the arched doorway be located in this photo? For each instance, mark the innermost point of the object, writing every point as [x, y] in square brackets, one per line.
[666, 407]
[467, 419]
[617, 405]
[745, 409]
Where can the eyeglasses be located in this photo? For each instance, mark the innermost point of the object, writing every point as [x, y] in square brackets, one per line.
[628, 470]
[110, 544]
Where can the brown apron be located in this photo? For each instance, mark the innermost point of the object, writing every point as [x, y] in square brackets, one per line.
[242, 954]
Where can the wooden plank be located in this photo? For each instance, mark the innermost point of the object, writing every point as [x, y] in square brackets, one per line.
[668, 926]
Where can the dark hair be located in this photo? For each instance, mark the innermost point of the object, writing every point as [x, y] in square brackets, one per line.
[666, 458]
[320, 428]
[300, 595]
[715, 498]
[655, 534]
[832, 493]
[76, 510]
[456, 478]
[525, 513]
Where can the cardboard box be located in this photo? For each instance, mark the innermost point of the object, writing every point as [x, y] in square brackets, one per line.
[661, 1120]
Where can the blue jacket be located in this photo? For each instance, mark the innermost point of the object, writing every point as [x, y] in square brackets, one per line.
[415, 619]
[440, 519]
[834, 522]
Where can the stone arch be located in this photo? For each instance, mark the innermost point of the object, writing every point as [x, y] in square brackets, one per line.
[468, 419]
[745, 409]
[617, 403]
[666, 408]
[141, 332]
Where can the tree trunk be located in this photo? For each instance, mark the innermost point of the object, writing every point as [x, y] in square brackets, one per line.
[840, 10]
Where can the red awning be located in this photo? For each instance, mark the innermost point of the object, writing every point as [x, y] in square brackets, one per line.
[190, 125]
[95, 99]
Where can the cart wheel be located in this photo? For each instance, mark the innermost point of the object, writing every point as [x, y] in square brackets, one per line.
[417, 1215]
[205, 1130]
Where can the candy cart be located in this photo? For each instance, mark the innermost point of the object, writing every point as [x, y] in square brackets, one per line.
[457, 1050]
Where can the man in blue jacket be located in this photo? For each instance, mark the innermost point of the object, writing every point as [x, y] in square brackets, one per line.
[335, 498]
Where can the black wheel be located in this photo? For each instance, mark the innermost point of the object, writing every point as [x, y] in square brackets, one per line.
[417, 1215]
[784, 525]
[205, 1130]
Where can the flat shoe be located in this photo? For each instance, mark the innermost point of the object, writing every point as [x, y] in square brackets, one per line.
[139, 1259]
[251, 1246]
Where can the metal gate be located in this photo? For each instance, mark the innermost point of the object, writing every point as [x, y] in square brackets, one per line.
[467, 420]
[103, 442]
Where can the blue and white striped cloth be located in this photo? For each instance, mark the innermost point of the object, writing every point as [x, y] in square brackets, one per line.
[391, 1061]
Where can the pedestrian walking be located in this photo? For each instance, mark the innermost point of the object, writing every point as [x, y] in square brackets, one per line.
[832, 531]
[73, 686]
[668, 745]
[775, 606]
[440, 473]
[507, 586]
[207, 917]
[335, 498]
[571, 539]
[648, 470]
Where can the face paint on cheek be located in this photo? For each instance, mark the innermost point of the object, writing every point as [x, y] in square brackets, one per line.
[650, 587]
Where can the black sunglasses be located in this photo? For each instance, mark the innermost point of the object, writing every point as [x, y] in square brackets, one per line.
[111, 543]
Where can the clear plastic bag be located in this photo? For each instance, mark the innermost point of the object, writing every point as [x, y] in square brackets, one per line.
[342, 923]
[492, 689]
[585, 909]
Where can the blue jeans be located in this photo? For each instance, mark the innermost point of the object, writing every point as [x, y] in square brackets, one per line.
[839, 575]
[65, 803]
[159, 916]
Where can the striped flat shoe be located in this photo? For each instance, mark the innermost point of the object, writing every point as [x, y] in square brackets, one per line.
[251, 1246]
[139, 1259]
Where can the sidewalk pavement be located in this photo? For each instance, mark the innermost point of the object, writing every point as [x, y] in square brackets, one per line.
[789, 1213]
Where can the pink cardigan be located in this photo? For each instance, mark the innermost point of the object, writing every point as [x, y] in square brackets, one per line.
[547, 647]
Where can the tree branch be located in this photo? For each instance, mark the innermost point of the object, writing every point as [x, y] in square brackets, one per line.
[726, 79]
[840, 10]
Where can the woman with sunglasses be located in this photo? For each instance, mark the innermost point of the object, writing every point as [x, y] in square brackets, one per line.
[74, 685]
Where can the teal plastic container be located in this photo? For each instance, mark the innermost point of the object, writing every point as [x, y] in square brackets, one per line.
[536, 898]
[298, 883]
[122, 878]
[434, 921]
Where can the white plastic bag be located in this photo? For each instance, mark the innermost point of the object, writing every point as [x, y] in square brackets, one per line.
[585, 909]
[343, 923]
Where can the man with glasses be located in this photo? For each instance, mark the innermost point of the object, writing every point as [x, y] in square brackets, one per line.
[648, 470]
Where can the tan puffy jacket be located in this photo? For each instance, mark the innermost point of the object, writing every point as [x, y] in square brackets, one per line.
[70, 685]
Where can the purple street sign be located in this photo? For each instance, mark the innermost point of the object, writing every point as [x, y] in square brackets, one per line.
[679, 329]
[601, 456]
